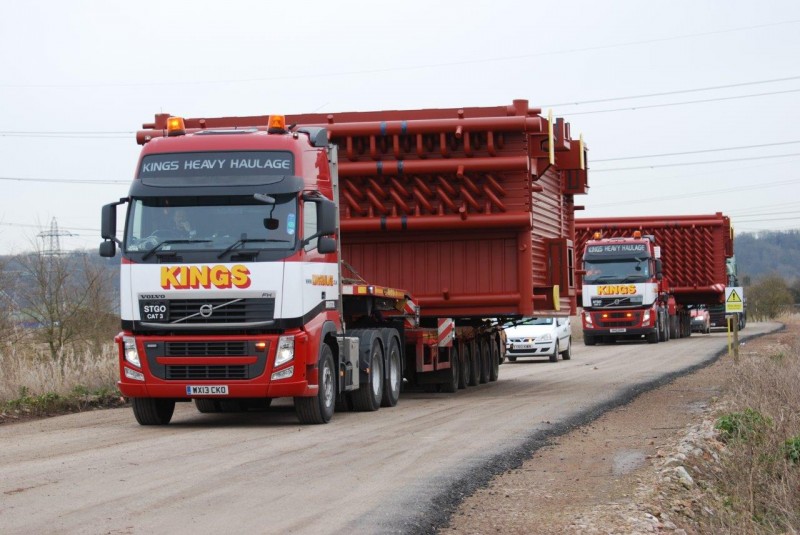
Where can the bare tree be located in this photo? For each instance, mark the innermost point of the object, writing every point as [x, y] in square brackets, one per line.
[61, 293]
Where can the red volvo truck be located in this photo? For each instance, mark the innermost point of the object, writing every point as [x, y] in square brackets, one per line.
[641, 276]
[334, 258]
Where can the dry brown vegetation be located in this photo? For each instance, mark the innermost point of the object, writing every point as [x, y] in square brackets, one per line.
[754, 487]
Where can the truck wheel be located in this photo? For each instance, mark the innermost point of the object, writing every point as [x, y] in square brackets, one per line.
[485, 357]
[494, 369]
[662, 335]
[153, 411]
[567, 354]
[465, 372]
[589, 339]
[475, 366]
[368, 396]
[206, 405]
[394, 376]
[454, 378]
[554, 356]
[319, 409]
[652, 338]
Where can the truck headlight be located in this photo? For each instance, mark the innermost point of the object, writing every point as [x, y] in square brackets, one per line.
[646, 317]
[130, 351]
[285, 351]
[588, 317]
[133, 374]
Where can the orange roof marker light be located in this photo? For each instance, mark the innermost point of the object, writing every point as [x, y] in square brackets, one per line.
[277, 124]
[176, 126]
[637, 234]
[597, 235]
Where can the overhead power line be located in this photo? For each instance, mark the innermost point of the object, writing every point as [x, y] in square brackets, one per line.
[67, 180]
[702, 101]
[676, 92]
[410, 67]
[707, 162]
[696, 151]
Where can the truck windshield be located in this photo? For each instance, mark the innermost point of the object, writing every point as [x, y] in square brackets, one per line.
[616, 271]
[211, 224]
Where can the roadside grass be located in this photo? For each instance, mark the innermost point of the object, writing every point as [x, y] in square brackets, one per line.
[756, 484]
[33, 384]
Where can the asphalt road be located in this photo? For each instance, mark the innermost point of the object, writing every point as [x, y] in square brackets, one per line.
[398, 470]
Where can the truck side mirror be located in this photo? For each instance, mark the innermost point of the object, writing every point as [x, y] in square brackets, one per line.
[326, 245]
[659, 270]
[326, 217]
[108, 248]
[108, 222]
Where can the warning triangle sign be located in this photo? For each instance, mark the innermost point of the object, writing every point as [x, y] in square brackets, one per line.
[734, 297]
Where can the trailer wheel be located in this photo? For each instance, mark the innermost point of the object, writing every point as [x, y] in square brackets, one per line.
[465, 364]
[454, 378]
[674, 331]
[485, 357]
[567, 354]
[391, 384]
[319, 409]
[494, 369]
[153, 411]
[474, 365]
[368, 397]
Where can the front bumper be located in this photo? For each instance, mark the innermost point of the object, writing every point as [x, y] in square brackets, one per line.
[168, 365]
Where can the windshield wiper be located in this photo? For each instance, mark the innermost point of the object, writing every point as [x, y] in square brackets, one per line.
[242, 241]
[169, 242]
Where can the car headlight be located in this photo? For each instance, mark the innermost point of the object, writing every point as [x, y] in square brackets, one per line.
[546, 337]
[130, 351]
[285, 351]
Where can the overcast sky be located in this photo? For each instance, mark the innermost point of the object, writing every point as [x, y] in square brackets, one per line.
[687, 107]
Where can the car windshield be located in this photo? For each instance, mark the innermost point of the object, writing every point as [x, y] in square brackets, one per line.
[211, 224]
[538, 321]
[616, 271]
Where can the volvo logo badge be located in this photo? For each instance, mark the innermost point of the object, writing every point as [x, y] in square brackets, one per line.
[206, 310]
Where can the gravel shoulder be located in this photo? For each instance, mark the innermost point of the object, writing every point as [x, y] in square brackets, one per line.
[619, 474]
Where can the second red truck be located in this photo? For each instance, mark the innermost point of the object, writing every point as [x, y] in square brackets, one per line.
[642, 276]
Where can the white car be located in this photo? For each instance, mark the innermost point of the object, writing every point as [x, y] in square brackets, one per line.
[539, 337]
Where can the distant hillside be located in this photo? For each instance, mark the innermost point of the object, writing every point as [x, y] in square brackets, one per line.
[768, 252]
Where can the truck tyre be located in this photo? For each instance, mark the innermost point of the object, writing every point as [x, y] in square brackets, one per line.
[206, 405]
[589, 339]
[485, 355]
[567, 353]
[465, 372]
[662, 335]
[394, 375]
[153, 411]
[454, 378]
[319, 409]
[494, 369]
[475, 365]
[652, 338]
[368, 396]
